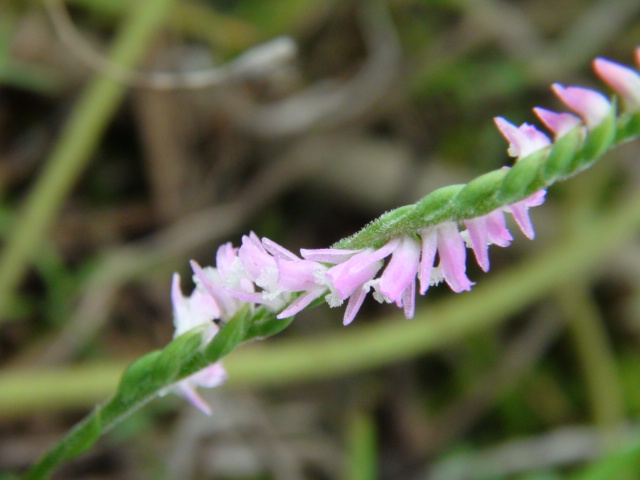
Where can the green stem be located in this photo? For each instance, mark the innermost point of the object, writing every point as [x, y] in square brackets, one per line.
[193, 19]
[361, 446]
[147, 377]
[78, 140]
[595, 356]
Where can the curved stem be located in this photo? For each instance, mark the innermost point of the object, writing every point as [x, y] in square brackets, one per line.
[146, 378]
[77, 142]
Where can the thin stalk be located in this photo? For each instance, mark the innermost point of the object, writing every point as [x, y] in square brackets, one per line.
[596, 357]
[193, 19]
[362, 458]
[77, 142]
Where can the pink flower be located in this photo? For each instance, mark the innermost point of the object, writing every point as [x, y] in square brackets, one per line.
[401, 271]
[490, 229]
[559, 123]
[591, 105]
[354, 275]
[258, 263]
[351, 274]
[398, 281]
[453, 256]
[241, 272]
[220, 288]
[296, 275]
[190, 312]
[625, 81]
[520, 211]
[523, 140]
[350, 279]
[212, 376]
[198, 310]
[355, 272]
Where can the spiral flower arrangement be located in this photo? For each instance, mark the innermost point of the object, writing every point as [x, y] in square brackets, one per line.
[255, 289]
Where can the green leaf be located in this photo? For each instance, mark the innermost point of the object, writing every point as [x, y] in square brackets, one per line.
[564, 150]
[599, 140]
[523, 178]
[480, 196]
[229, 336]
[87, 434]
[136, 379]
[265, 324]
[628, 127]
[166, 367]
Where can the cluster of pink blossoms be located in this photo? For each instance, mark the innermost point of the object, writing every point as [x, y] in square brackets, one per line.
[261, 272]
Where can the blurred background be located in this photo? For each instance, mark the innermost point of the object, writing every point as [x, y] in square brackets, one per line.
[136, 135]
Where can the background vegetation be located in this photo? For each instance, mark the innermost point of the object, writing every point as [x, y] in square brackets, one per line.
[109, 181]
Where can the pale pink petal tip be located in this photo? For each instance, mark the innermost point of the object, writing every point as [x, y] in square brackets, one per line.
[427, 258]
[327, 255]
[523, 140]
[278, 251]
[559, 123]
[536, 199]
[497, 228]
[209, 377]
[180, 307]
[591, 105]
[520, 211]
[409, 300]
[354, 304]
[359, 269]
[479, 237]
[300, 303]
[623, 80]
[401, 271]
[190, 394]
[452, 251]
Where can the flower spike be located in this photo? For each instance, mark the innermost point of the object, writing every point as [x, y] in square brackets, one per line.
[249, 285]
[425, 243]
